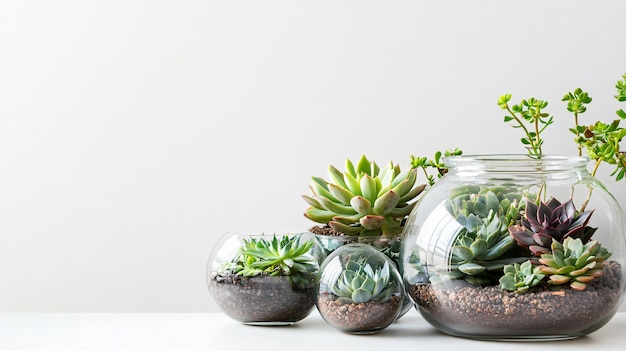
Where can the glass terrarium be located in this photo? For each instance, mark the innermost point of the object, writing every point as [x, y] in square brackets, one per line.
[514, 247]
[263, 279]
[360, 290]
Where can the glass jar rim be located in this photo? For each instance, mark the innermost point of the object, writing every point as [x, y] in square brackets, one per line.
[515, 162]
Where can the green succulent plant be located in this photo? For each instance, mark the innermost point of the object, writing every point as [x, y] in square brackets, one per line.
[435, 163]
[365, 199]
[482, 246]
[359, 283]
[519, 278]
[468, 203]
[286, 256]
[600, 139]
[573, 262]
[552, 220]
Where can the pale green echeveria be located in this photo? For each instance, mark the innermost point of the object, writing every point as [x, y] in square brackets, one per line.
[574, 262]
[359, 283]
[365, 199]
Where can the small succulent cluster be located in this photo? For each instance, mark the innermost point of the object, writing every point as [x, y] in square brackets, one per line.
[546, 222]
[359, 283]
[573, 262]
[365, 200]
[286, 256]
[521, 277]
[482, 245]
[470, 204]
[559, 242]
[553, 241]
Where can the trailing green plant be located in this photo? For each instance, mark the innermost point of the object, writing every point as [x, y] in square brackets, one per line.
[529, 116]
[359, 283]
[436, 163]
[600, 139]
[287, 256]
[573, 262]
[553, 220]
[483, 245]
[519, 278]
[365, 199]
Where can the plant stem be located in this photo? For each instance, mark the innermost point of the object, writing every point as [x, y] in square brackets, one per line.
[593, 174]
[537, 139]
[595, 167]
[580, 148]
[532, 145]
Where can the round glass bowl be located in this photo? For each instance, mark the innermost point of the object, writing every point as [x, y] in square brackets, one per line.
[389, 245]
[263, 279]
[360, 290]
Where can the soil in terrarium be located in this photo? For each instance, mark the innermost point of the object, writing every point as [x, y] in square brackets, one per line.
[325, 230]
[262, 298]
[489, 310]
[368, 316]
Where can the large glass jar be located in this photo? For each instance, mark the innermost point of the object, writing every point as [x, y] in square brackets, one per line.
[513, 247]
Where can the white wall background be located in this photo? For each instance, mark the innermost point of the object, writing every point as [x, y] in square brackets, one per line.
[133, 134]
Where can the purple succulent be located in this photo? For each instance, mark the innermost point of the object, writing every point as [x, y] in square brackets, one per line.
[551, 221]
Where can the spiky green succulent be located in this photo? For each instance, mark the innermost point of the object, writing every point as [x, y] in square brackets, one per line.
[359, 283]
[287, 256]
[573, 262]
[519, 278]
[550, 221]
[482, 245]
[365, 199]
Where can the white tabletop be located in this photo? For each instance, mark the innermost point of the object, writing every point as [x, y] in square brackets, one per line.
[215, 331]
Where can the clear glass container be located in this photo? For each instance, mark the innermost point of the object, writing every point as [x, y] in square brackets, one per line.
[360, 290]
[467, 241]
[256, 294]
[389, 245]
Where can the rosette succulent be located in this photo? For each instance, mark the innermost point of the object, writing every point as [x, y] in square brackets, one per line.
[359, 283]
[469, 203]
[550, 221]
[521, 277]
[286, 256]
[482, 245]
[364, 199]
[573, 262]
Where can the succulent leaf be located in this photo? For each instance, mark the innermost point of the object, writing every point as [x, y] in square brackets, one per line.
[344, 228]
[319, 215]
[340, 193]
[372, 222]
[361, 205]
[387, 202]
[336, 177]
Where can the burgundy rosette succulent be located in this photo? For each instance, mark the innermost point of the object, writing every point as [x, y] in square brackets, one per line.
[550, 221]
